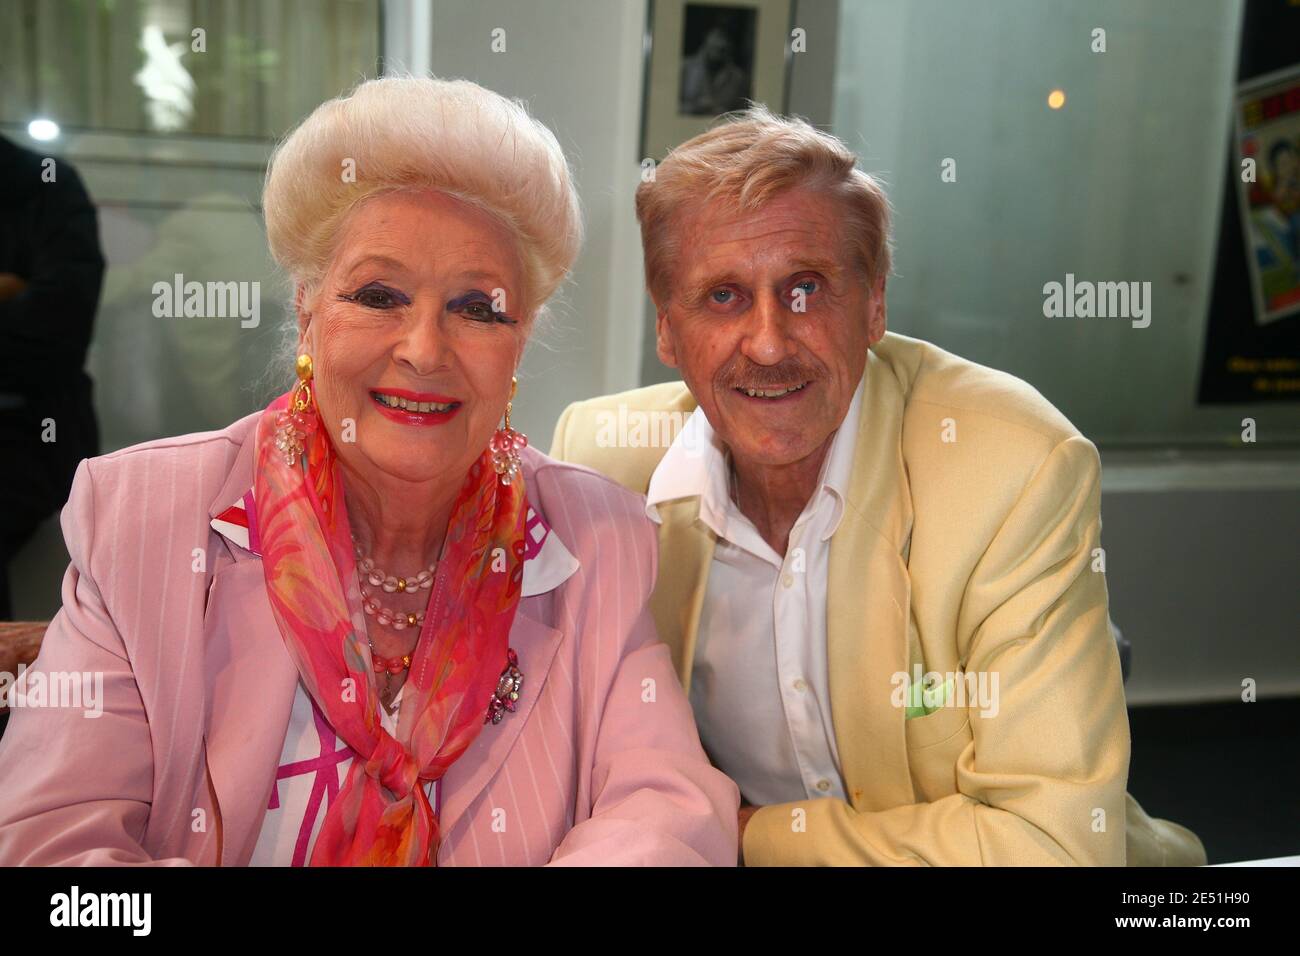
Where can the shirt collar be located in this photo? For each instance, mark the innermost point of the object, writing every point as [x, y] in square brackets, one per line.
[547, 562]
[695, 465]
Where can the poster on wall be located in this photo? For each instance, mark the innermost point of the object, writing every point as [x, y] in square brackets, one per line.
[1252, 336]
[1268, 132]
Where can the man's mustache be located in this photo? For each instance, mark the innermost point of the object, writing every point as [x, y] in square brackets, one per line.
[747, 374]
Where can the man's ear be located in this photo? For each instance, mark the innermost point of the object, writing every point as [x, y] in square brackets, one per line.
[664, 346]
[876, 312]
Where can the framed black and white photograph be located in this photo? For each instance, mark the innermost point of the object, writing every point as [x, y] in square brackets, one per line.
[705, 59]
[717, 73]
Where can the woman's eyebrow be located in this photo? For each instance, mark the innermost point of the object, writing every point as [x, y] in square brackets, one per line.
[377, 260]
[477, 275]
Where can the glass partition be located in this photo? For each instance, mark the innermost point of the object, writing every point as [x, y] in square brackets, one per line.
[1017, 154]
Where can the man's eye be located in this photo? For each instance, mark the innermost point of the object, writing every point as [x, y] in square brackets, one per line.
[721, 296]
[809, 286]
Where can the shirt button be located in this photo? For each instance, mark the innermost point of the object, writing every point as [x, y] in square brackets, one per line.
[823, 785]
[787, 580]
[800, 684]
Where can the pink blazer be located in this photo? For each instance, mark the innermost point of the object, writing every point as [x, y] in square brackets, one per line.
[600, 764]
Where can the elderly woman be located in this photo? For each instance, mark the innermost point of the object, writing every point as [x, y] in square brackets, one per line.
[369, 626]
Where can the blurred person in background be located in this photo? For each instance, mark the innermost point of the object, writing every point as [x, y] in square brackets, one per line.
[51, 270]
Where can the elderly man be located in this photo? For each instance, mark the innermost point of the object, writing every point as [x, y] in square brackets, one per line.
[879, 566]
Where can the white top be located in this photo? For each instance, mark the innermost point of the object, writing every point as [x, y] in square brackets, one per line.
[313, 766]
[759, 684]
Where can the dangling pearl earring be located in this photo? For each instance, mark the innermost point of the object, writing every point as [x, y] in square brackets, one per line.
[299, 419]
[506, 443]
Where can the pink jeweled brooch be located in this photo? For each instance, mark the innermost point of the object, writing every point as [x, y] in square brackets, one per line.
[507, 692]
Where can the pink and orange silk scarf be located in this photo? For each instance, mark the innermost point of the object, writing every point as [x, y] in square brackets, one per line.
[381, 816]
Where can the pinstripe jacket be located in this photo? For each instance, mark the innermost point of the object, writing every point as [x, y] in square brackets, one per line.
[600, 763]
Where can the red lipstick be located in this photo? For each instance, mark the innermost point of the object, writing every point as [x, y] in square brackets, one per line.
[406, 416]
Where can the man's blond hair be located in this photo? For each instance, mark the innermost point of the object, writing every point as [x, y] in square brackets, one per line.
[749, 158]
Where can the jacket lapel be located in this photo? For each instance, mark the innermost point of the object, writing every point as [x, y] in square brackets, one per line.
[535, 644]
[252, 681]
[250, 675]
[869, 598]
[685, 552]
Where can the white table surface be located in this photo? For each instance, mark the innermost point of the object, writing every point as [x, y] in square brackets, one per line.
[1274, 861]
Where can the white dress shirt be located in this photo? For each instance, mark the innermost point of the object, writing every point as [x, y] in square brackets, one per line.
[759, 684]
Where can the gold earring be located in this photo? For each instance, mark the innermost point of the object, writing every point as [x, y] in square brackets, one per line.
[506, 443]
[302, 391]
[296, 422]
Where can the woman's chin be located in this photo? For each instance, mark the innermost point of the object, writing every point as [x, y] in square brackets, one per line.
[414, 461]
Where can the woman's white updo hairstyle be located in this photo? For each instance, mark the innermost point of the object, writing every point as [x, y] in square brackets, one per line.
[407, 132]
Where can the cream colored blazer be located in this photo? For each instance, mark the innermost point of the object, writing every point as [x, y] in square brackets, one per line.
[969, 545]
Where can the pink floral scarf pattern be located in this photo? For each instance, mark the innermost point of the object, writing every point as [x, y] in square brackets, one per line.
[381, 816]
